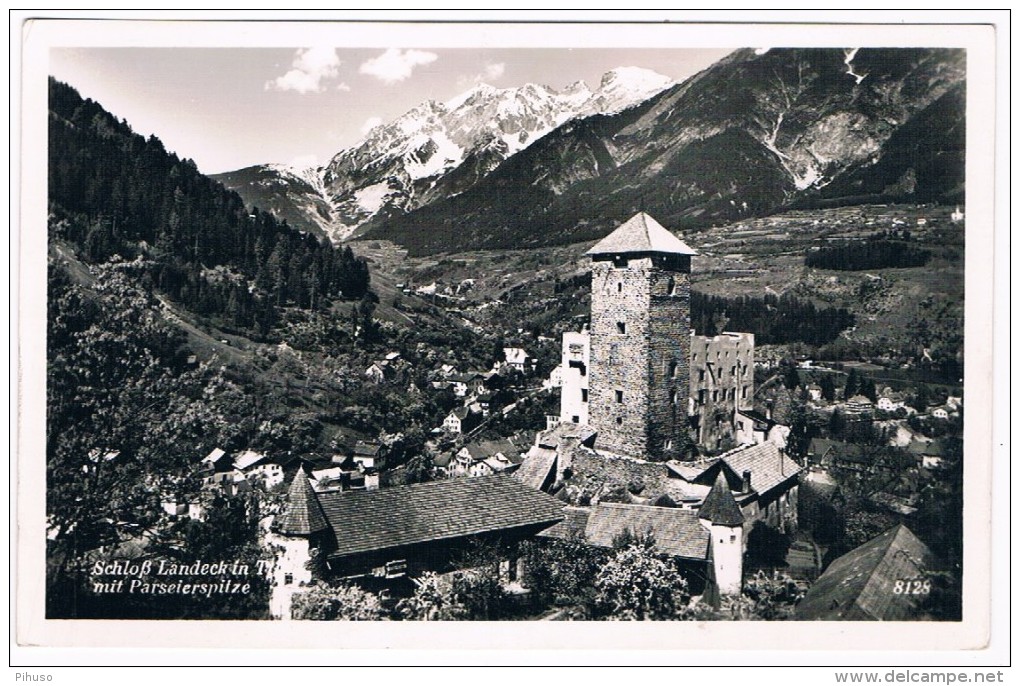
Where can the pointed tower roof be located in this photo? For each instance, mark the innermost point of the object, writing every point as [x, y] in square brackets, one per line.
[303, 514]
[642, 234]
[719, 506]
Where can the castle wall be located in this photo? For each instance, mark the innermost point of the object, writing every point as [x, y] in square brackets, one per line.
[721, 382]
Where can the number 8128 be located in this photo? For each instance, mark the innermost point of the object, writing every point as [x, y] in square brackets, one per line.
[912, 587]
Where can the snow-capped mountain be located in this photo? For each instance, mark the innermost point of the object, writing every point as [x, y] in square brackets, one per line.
[434, 151]
[755, 132]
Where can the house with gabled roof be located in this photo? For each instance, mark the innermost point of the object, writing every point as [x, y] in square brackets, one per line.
[380, 535]
[889, 578]
[461, 420]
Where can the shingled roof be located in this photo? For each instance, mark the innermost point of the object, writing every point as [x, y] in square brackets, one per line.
[303, 515]
[861, 584]
[365, 521]
[641, 234]
[768, 465]
[537, 466]
[719, 507]
[676, 532]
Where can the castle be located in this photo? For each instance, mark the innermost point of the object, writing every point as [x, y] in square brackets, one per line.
[640, 377]
[640, 386]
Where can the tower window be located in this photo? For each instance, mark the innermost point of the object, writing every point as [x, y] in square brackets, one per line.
[669, 444]
[288, 579]
[584, 395]
[671, 286]
[619, 396]
[674, 396]
[619, 287]
[672, 369]
[619, 420]
[701, 375]
[621, 327]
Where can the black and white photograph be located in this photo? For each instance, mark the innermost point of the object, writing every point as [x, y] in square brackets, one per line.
[358, 324]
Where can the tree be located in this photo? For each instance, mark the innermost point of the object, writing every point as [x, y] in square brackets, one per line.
[433, 600]
[853, 384]
[766, 597]
[639, 583]
[561, 571]
[331, 603]
[419, 467]
[837, 423]
[828, 387]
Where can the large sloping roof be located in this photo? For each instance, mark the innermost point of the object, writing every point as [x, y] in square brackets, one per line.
[364, 521]
[574, 523]
[720, 507]
[535, 469]
[641, 234]
[768, 465]
[861, 584]
[302, 515]
[676, 532]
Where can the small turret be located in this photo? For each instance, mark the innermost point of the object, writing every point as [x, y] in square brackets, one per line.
[303, 515]
[721, 515]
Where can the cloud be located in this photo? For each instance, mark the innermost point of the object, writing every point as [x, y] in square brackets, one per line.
[396, 65]
[370, 124]
[308, 71]
[343, 87]
[491, 72]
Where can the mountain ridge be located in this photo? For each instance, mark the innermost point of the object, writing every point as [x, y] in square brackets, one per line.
[432, 151]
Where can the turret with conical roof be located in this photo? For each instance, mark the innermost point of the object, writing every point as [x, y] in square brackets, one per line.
[640, 340]
[721, 515]
[720, 507]
[303, 515]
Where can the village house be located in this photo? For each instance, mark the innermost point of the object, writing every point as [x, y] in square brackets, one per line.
[890, 401]
[461, 420]
[218, 460]
[814, 392]
[369, 455]
[930, 455]
[377, 536]
[482, 458]
[257, 468]
[518, 359]
[859, 407]
[470, 383]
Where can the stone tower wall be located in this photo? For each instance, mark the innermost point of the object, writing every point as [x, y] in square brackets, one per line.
[637, 394]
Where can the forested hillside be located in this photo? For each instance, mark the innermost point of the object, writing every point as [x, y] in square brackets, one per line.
[113, 192]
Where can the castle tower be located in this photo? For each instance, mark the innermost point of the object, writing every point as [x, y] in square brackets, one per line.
[721, 515]
[300, 525]
[640, 340]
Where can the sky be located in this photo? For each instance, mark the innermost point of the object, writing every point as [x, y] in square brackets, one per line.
[228, 108]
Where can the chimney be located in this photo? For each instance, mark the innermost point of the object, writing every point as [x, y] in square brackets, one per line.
[768, 410]
[745, 486]
[371, 480]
